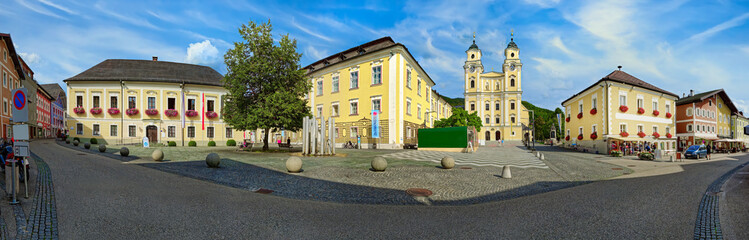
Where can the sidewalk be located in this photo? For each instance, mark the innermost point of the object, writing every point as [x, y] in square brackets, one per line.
[734, 206]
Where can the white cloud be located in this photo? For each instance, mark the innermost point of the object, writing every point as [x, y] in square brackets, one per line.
[741, 105]
[310, 32]
[30, 58]
[543, 3]
[59, 7]
[39, 9]
[202, 53]
[316, 53]
[736, 21]
[132, 20]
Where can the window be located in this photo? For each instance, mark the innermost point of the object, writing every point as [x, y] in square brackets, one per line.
[335, 84]
[376, 104]
[171, 131]
[96, 101]
[171, 103]
[151, 102]
[655, 106]
[473, 107]
[408, 106]
[512, 82]
[640, 103]
[79, 101]
[689, 112]
[668, 108]
[113, 130]
[593, 129]
[336, 133]
[319, 87]
[622, 128]
[376, 75]
[594, 104]
[580, 108]
[5, 79]
[512, 119]
[191, 104]
[79, 128]
[5, 106]
[655, 129]
[191, 131]
[408, 132]
[113, 102]
[710, 103]
[408, 78]
[334, 109]
[210, 105]
[96, 130]
[209, 132]
[496, 119]
[512, 105]
[354, 108]
[487, 107]
[418, 111]
[354, 132]
[496, 106]
[668, 129]
[580, 130]
[473, 84]
[622, 100]
[640, 128]
[131, 130]
[418, 86]
[354, 80]
[131, 102]
[319, 110]
[487, 120]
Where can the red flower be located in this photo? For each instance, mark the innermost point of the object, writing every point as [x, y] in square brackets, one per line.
[567, 138]
[623, 108]
[624, 134]
[567, 119]
[580, 137]
[593, 111]
[641, 134]
[593, 136]
[113, 111]
[79, 110]
[668, 135]
[579, 115]
[656, 113]
[131, 111]
[640, 110]
[191, 113]
[95, 110]
[211, 114]
[171, 113]
[152, 112]
[668, 115]
[656, 135]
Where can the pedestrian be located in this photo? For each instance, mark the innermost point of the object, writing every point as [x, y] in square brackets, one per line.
[503, 143]
[709, 151]
[288, 141]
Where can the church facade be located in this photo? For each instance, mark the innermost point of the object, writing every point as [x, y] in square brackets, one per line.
[496, 97]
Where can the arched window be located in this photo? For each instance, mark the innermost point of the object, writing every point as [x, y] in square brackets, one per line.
[512, 118]
[512, 82]
[473, 84]
[488, 136]
[512, 105]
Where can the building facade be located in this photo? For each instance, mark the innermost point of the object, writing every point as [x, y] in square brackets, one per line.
[43, 114]
[380, 76]
[739, 124]
[704, 118]
[496, 97]
[57, 112]
[12, 71]
[620, 110]
[123, 101]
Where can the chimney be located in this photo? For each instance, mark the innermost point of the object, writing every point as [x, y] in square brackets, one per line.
[155, 58]
[691, 92]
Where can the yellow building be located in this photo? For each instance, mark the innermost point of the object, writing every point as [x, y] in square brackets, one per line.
[122, 101]
[382, 76]
[620, 110]
[496, 96]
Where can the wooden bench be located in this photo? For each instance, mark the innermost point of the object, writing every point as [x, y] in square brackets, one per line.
[284, 145]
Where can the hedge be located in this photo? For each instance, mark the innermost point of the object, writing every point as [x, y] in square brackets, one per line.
[192, 144]
[231, 143]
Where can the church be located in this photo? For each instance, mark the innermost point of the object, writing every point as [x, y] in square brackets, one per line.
[496, 97]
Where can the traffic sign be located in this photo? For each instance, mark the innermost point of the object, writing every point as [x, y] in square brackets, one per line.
[20, 108]
[21, 132]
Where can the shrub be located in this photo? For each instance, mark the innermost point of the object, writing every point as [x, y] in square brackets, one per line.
[616, 153]
[94, 141]
[192, 144]
[76, 139]
[231, 143]
[646, 156]
[172, 143]
[211, 144]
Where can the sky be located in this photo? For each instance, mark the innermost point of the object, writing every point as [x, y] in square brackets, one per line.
[565, 46]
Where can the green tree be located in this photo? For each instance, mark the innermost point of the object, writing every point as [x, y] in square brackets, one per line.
[265, 82]
[460, 118]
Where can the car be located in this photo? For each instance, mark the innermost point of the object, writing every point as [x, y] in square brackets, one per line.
[696, 151]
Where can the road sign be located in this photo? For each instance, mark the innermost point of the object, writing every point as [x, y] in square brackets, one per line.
[375, 124]
[21, 132]
[21, 149]
[20, 109]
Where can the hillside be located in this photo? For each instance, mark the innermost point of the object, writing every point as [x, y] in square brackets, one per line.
[545, 118]
[455, 101]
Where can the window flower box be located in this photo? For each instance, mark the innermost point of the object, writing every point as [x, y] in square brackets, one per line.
[131, 111]
[211, 114]
[113, 111]
[171, 113]
[668, 115]
[579, 115]
[640, 110]
[152, 112]
[191, 113]
[641, 134]
[624, 134]
[593, 111]
[656, 135]
[567, 119]
[623, 108]
[96, 110]
[567, 138]
[79, 110]
[580, 137]
[593, 136]
[668, 135]
[656, 113]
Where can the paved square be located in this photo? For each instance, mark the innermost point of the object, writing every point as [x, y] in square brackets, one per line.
[485, 156]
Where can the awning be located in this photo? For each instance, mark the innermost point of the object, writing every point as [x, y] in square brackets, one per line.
[638, 139]
[728, 140]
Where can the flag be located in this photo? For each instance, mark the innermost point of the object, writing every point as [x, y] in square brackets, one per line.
[202, 116]
[183, 109]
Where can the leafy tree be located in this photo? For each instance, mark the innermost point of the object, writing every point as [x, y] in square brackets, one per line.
[460, 118]
[265, 82]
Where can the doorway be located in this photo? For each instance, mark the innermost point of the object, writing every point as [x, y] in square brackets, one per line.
[152, 133]
[497, 135]
[488, 136]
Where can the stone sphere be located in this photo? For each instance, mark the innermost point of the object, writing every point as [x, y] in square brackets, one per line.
[75, 142]
[87, 145]
[124, 151]
[102, 148]
[67, 141]
[448, 162]
[157, 155]
[294, 164]
[213, 160]
[379, 164]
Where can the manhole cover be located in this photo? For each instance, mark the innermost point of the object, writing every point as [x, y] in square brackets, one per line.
[713, 193]
[616, 168]
[466, 168]
[630, 165]
[419, 192]
[264, 191]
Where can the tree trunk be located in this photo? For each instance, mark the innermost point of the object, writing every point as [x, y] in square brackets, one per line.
[265, 139]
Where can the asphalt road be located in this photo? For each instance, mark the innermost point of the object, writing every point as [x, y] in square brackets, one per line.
[99, 197]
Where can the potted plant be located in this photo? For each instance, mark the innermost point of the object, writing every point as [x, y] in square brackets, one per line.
[191, 113]
[567, 138]
[579, 115]
[171, 113]
[656, 135]
[567, 119]
[656, 113]
[668, 135]
[152, 112]
[640, 110]
[113, 111]
[96, 110]
[580, 137]
[623, 108]
[594, 136]
[624, 134]
[79, 110]
[131, 111]
[641, 134]
[211, 114]
[593, 111]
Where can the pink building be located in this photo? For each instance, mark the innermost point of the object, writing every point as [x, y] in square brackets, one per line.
[43, 113]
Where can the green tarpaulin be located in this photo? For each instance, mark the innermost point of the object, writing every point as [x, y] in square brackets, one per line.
[452, 137]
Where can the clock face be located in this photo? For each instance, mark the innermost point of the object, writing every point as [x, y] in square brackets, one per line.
[512, 67]
[473, 69]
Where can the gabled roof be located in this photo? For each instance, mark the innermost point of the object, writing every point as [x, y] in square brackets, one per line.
[13, 55]
[149, 71]
[623, 77]
[53, 89]
[705, 95]
[45, 92]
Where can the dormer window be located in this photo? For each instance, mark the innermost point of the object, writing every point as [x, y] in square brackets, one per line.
[326, 63]
[361, 51]
[342, 57]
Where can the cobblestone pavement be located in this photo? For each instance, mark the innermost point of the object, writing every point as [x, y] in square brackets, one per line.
[734, 207]
[708, 225]
[484, 156]
[41, 220]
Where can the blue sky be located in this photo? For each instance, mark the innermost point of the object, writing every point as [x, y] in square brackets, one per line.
[565, 46]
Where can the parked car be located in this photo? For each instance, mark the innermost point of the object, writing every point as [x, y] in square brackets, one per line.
[696, 151]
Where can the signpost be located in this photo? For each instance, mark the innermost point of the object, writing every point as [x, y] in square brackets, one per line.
[21, 148]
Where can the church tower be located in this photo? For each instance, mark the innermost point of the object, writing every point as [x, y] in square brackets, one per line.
[512, 66]
[472, 67]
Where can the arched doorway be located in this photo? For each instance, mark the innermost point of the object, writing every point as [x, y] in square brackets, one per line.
[152, 133]
[497, 135]
[488, 136]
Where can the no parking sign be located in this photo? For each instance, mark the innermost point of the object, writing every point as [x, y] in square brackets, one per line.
[20, 108]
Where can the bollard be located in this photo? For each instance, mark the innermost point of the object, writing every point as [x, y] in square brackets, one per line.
[506, 172]
[538, 154]
[542, 156]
